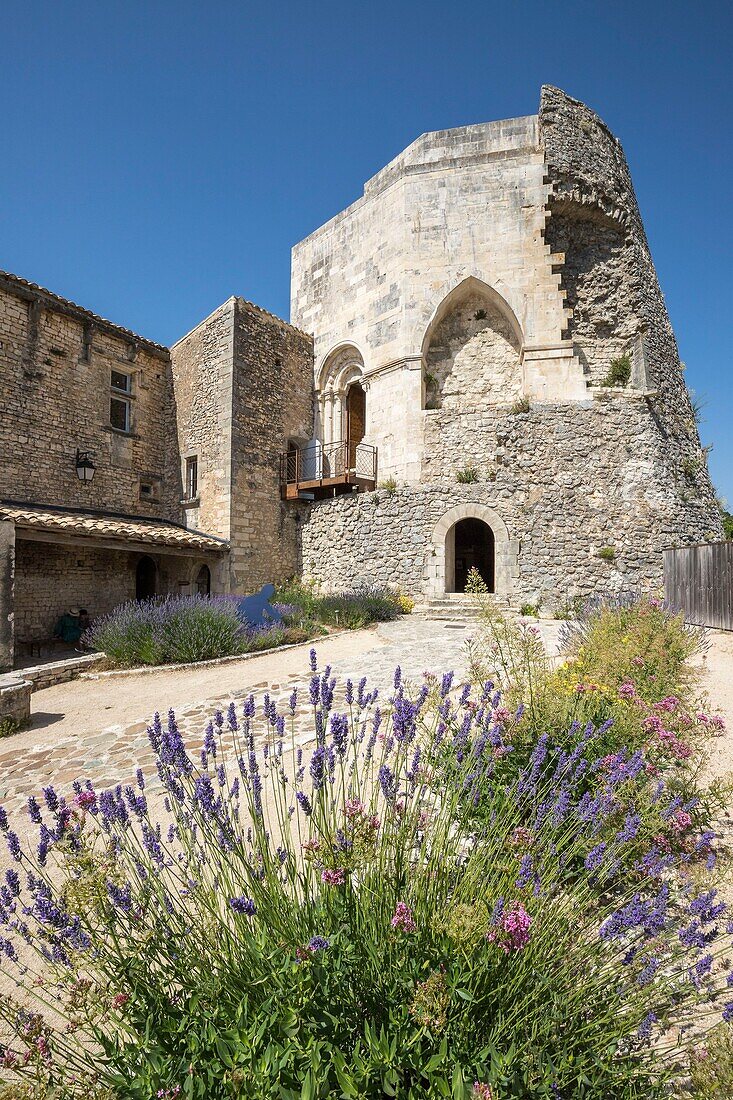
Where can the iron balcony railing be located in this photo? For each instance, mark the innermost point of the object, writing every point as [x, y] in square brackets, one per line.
[328, 464]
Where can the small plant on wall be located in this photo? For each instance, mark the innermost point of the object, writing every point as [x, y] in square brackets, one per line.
[521, 405]
[607, 553]
[389, 485]
[619, 373]
[467, 476]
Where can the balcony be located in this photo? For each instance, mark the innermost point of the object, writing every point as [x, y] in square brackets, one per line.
[327, 470]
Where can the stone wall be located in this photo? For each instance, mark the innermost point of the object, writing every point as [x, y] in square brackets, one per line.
[473, 358]
[50, 578]
[458, 208]
[613, 290]
[7, 583]
[202, 364]
[55, 370]
[244, 388]
[565, 481]
[272, 403]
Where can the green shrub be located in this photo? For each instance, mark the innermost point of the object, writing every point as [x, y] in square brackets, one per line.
[711, 1065]
[531, 609]
[607, 553]
[389, 485]
[355, 609]
[467, 476]
[619, 373]
[521, 405]
[8, 726]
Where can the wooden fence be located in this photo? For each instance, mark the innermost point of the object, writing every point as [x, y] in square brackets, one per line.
[699, 581]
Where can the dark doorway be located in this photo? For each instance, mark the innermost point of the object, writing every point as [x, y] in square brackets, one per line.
[145, 579]
[474, 550]
[203, 581]
[355, 419]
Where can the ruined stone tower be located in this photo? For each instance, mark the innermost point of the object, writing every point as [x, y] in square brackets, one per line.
[476, 296]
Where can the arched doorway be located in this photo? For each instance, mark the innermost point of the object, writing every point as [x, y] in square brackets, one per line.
[355, 419]
[145, 579]
[469, 545]
[203, 581]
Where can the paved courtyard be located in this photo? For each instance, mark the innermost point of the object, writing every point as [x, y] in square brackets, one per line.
[96, 728]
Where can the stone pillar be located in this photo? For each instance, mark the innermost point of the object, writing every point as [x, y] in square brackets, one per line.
[7, 587]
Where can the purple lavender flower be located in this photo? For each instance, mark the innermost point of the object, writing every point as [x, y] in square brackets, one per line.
[728, 1012]
[3, 820]
[34, 811]
[645, 1027]
[140, 779]
[340, 733]
[318, 943]
[304, 803]
[313, 660]
[397, 677]
[446, 683]
[210, 740]
[14, 846]
[243, 905]
[318, 767]
[52, 799]
[388, 783]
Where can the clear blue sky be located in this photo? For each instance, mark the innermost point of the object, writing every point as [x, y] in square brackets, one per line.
[159, 156]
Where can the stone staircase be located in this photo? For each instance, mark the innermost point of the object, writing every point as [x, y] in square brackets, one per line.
[456, 607]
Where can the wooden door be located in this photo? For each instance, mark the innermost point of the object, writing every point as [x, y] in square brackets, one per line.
[355, 420]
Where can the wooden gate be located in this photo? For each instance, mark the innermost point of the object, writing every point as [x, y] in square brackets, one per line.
[699, 581]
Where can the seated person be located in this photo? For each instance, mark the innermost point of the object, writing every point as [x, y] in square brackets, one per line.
[68, 628]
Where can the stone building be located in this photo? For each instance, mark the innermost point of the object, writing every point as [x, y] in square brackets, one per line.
[442, 403]
[476, 296]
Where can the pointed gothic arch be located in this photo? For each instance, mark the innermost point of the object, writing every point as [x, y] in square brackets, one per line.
[471, 349]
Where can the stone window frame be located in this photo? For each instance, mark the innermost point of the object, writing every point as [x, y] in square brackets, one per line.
[341, 367]
[191, 477]
[122, 396]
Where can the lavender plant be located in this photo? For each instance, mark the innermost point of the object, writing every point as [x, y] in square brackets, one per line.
[260, 922]
[185, 629]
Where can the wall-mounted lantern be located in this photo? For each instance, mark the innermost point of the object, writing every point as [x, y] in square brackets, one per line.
[84, 465]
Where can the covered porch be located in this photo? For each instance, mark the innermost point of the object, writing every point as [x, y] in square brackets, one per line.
[53, 560]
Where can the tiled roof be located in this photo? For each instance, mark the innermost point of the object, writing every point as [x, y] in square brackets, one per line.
[102, 526]
[24, 289]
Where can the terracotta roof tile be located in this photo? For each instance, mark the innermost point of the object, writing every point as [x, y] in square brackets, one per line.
[148, 532]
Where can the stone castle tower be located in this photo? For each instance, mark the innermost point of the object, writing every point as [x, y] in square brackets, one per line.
[474, 299]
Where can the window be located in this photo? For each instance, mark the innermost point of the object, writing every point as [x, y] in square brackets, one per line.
[192, 477]
[150, 488]
[119, 402]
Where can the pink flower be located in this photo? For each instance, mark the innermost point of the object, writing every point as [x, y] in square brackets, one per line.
[627, 690]
[84, 799]
[120, 999]
[521, 837]
[638, 661]
[354, 807]
[680, 821]
[501, 714]
[481, 1092]
[512, 932]
[312, 845]
[403, 919]
[337, 877]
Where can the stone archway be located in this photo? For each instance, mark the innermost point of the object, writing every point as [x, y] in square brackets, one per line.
[441, 569]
